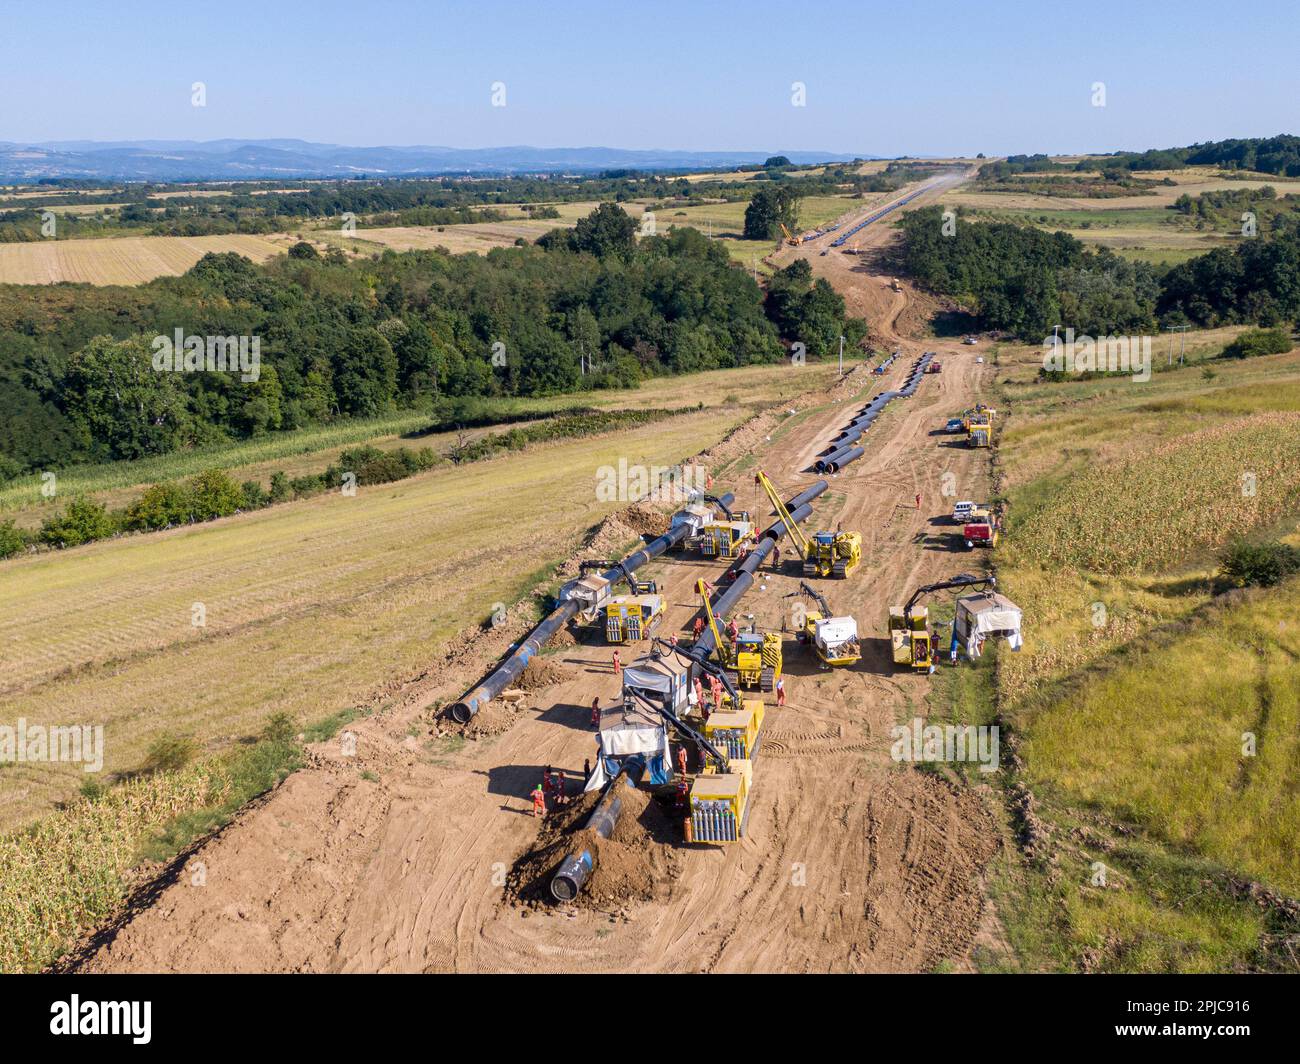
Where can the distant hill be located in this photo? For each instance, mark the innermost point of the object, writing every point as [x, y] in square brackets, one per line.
[165, 160]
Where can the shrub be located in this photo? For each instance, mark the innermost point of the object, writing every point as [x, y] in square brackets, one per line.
[12, 541]
[161, 506]
[1258, 564]
[169, 753]
[82, 522]
[1255, 342]
[213, 494]
[254, 497]
[280, 488]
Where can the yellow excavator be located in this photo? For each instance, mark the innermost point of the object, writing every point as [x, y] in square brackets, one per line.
[756, 659]
[909, 626]
[825, 553]
[790, 238]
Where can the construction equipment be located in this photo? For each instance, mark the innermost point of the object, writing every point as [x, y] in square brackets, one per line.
[979, 434]
[893, 283]
[977, 415]
[934, 367]
[631, 618]
[790, 238]
[824, 553]
[909, 625]
[755, 661]
[835, 639]
[981, 528]
[725, 538]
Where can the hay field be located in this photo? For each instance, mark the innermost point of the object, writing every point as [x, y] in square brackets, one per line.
[120, 260]
[309, 606]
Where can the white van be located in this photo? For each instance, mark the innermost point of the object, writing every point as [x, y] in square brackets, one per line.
[961, 511]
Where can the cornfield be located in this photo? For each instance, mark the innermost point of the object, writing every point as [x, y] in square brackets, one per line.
[1202, 490]
[68, 871]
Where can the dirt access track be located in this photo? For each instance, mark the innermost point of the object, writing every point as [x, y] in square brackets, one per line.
[394, 859]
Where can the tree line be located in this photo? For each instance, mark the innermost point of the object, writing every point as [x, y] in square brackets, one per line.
[592, 307]
[1024, 281]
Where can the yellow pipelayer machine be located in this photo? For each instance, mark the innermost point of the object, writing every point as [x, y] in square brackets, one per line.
[826, 553]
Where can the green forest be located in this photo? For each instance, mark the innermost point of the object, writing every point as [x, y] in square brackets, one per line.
[592, 307]
[1025, 281]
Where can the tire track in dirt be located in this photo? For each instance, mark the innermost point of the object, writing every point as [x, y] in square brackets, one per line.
[851, 864]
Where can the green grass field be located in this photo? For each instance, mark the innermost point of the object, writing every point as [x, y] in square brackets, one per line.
[1136, 687]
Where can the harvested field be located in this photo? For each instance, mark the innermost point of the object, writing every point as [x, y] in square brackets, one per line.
[120, 260]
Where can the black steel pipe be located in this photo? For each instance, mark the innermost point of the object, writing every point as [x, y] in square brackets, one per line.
[496, 682]
[575, 869]
[839, 461]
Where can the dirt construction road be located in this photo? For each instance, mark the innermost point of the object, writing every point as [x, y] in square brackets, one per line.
[394, 859]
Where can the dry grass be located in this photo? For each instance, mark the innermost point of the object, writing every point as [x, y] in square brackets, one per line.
[310, 606]
[120, 260]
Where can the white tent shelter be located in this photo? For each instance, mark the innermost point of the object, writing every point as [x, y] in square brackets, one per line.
[987, 615]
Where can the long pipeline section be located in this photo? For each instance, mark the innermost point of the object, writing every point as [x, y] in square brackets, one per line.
[497, 681]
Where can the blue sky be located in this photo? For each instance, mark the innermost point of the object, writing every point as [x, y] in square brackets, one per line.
[881, 78]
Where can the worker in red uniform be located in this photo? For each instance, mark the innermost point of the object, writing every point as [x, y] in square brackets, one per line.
[539, 801]
[780, 691]
[717, 694]
[618, 665]
[699, 694]
[681, 760]
[918, 500]
[672, 640]
[558, 787]
[699, 628]
[595, 712]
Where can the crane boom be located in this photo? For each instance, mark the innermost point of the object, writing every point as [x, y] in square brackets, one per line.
[791, 527]
[960, 580]
[723, 649]
[817, 597]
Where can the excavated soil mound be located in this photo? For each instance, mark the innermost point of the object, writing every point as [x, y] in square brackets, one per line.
[637, 863]
[542, 672]
[613, 534]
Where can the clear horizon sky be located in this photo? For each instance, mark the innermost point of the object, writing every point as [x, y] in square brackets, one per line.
[901, 78]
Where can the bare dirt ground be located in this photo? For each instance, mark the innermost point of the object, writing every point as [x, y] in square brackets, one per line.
[397, 858]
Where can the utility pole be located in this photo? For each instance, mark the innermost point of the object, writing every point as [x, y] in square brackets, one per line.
[841, 356]
[1182, 346]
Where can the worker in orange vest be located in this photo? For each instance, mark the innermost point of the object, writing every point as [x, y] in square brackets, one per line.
[681, 760]
[539, 801]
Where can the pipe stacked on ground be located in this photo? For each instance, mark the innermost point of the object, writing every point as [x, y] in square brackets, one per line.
[496, 682]
[845, 448]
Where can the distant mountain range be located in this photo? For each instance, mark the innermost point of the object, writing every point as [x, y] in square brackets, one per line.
[217, 160]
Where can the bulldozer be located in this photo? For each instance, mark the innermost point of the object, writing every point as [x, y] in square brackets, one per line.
[755, 661]
[833, 639]
[909, 625]
[825, 553]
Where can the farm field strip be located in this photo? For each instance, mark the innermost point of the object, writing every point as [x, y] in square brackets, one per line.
[120, 260]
